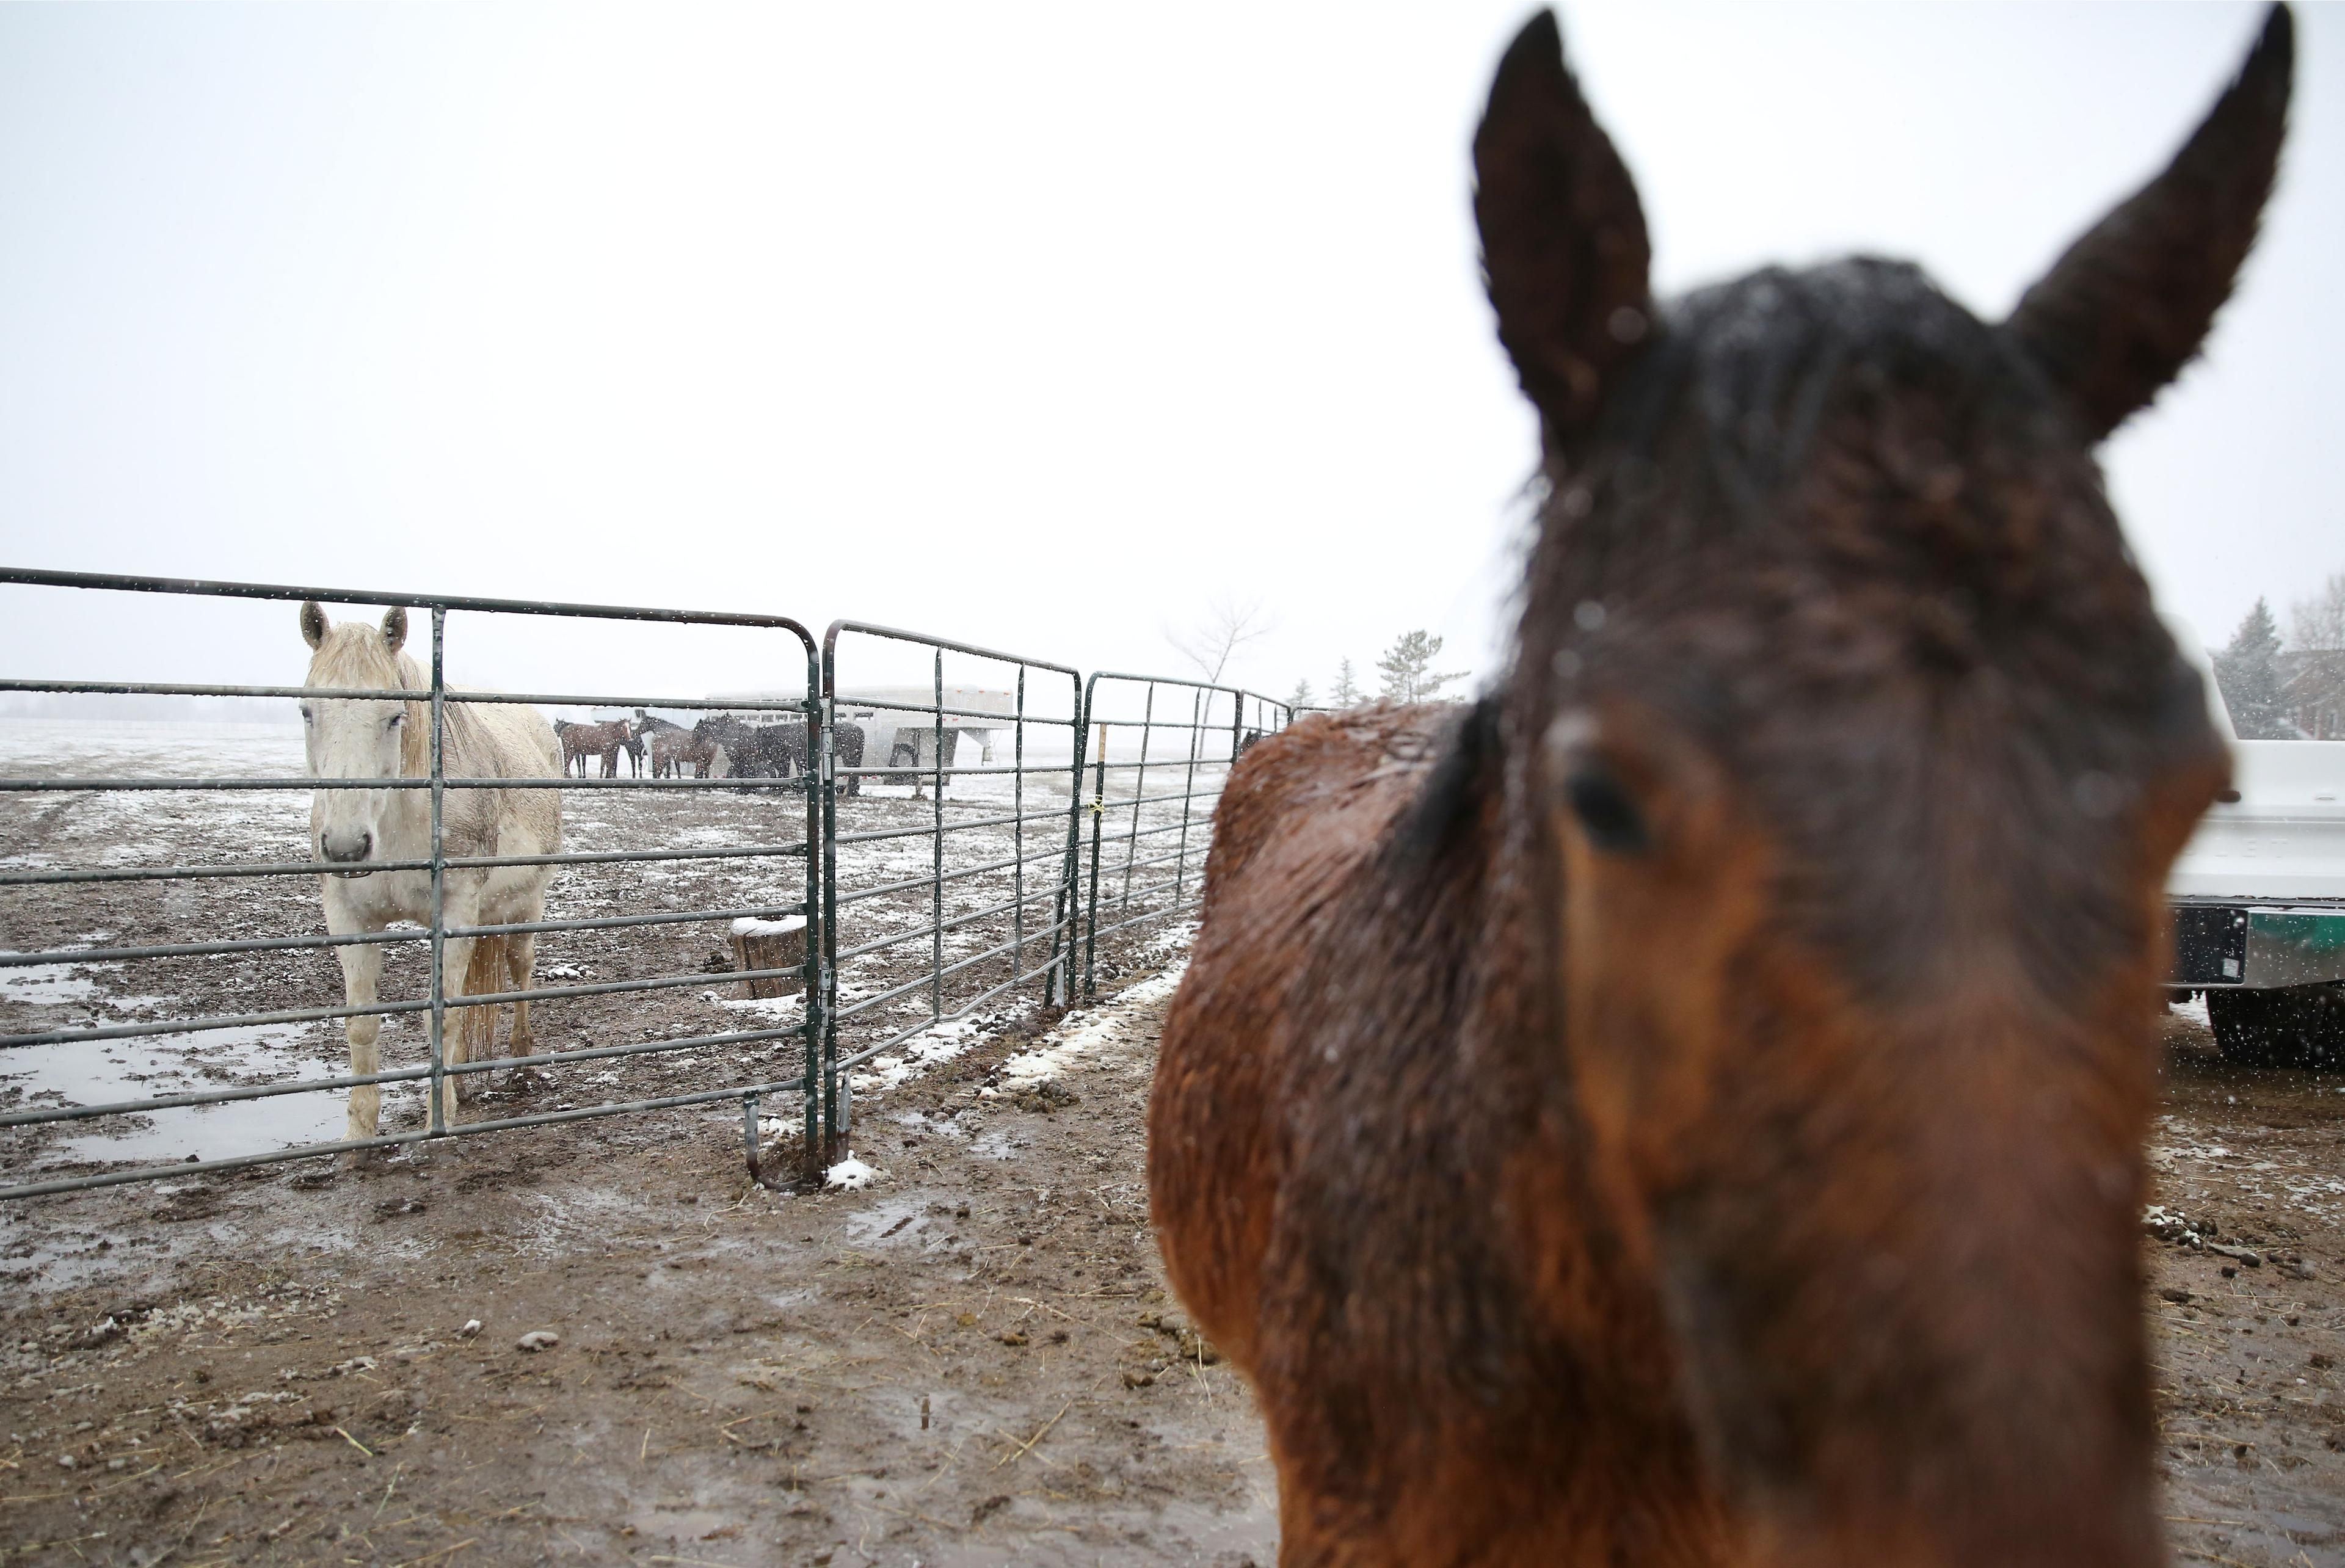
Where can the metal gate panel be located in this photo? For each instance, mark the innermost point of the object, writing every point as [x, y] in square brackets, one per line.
[436, 1006]
[1161, 751]
[1010, 896]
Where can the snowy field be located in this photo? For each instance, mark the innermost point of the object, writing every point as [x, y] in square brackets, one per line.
[886, 861]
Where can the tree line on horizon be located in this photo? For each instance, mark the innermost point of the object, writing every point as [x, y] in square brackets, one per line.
[1404, 671]
[2293, 689]
[1404, 674]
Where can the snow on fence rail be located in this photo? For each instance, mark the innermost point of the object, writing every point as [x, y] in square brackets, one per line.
[930, 888]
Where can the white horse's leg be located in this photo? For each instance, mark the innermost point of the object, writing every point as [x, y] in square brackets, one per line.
[520, 956]
[459, 907]
[361, 968]
[455, 959]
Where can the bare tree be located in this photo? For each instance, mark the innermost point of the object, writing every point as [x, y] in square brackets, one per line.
[2312, 671]
[1213, 638]
[2320, 622]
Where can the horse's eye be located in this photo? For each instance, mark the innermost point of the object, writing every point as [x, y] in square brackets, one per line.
[306, 716]
[1607, 815]
[393, 721]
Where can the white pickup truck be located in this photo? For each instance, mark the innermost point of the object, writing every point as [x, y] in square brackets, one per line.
[2259, 903]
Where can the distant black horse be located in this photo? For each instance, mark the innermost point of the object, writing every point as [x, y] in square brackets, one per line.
[847, 749]
[778, 751]
[758, 751]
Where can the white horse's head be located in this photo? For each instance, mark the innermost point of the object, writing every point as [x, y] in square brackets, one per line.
[359, 737]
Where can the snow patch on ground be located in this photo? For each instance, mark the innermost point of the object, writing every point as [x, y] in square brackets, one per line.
[1109, 1025]
[849, 1175]
[777, 1010]
[1173, 938]
[937, 1044]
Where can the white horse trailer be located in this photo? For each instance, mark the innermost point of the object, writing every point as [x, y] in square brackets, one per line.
[900, 722]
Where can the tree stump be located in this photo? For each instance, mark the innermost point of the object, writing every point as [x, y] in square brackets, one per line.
[771, 944]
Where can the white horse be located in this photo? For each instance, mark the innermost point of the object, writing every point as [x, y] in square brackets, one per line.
[356, 737]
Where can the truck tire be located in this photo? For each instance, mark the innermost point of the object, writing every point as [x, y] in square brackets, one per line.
[2298, 1026]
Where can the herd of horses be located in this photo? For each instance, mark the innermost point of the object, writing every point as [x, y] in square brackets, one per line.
[1686, 1108]
[720, 745]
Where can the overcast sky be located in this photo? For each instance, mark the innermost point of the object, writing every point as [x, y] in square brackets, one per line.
[1042, 327]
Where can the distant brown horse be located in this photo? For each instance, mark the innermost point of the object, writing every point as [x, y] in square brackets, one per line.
[582, 742]
[1688, 1109]
[675, 749]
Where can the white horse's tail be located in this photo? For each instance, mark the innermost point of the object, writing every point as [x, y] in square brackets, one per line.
[484, 974]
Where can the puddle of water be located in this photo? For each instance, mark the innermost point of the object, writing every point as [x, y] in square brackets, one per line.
[878, 1222]
[152, 1066]
[45, 986]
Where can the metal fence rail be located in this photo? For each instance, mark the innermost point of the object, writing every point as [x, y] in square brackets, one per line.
[441, 998]
[931, 884]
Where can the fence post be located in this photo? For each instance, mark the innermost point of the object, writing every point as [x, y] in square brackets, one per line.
[821, 1148]
[1201, 708]
[822, 829]
[1099, 811]
[438, 1124]
[1139, 789]
[1017, 838]
[1066, 909]
[937, 883]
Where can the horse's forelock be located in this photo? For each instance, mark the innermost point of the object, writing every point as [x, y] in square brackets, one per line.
[353, 657]
[1849, 424]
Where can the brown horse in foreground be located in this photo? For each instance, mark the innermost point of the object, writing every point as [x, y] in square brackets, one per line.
[1687, 1108]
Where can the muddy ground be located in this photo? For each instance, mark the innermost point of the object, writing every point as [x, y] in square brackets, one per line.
[2247, 1275]
[970, 1361]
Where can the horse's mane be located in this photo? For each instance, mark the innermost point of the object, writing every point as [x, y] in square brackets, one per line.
[1452, 793]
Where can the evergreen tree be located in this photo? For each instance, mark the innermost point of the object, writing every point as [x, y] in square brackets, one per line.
[1301, 696]
[1407, 669]
[2246, 673]
[1347, 692]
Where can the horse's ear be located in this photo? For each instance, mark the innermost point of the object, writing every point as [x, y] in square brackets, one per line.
[1563, 250]
[313, 623]
[2128, 307]
[394, 628]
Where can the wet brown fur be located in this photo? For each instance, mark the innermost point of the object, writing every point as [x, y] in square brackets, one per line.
[1687, 1107]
